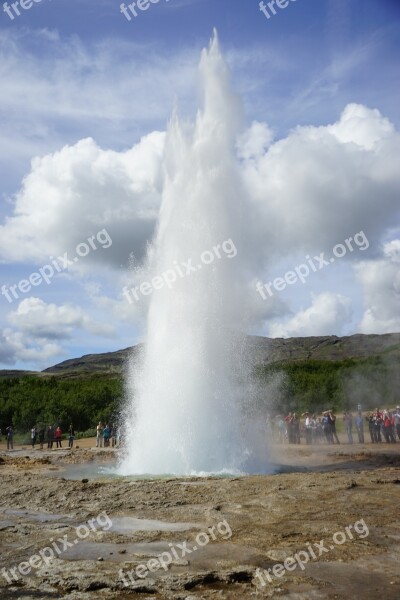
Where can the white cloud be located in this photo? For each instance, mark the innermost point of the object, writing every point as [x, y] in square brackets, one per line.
[380, 280]
[39, 320]
[16, 347]
[327, 315]
[320, 185]
[38, 330]
[362, 126]
[79, 190]
[306, 192]
[254, 141]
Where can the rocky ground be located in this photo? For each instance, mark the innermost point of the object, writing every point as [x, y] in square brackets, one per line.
[257, 522]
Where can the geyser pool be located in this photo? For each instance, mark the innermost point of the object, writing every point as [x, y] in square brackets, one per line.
[188, 390]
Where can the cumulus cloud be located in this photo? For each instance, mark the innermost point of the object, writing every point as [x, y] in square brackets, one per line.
[327, 315]
[39, 330]
[380, 280]
[40, 320]
[16, 347]
[320, 185]
[308, 191]
[362, 126]
[301, 194]
[254, 141]
[74, 193]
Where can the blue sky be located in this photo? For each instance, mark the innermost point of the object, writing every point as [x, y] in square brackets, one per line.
[78, 69]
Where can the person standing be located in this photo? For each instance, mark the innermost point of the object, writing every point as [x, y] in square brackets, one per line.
[10, 437]
[327, 428]
[57, 437]
[319, 430]
[370, 421]
[296, 429]
[360, 427]
[387, 427]
[392, 427]
[377, 421]
[50, 437]
[348, 421]
[289, 426]
[308, 429]
[332, 419]
[33, 436]
[106, 435]
[397, 421]
[41, 437]
[71, 436]
[99, 435]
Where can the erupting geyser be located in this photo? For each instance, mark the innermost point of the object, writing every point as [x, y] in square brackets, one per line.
[187, 410]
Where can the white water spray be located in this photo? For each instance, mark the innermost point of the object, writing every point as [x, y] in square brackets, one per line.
[187, 392]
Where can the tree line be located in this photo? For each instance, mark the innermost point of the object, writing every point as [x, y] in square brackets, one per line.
[307, 385]
[33, 400]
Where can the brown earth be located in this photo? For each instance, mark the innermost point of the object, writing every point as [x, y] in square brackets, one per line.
[259, 521]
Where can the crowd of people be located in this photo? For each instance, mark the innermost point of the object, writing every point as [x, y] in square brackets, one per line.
[105, 433]
[52, 436]
[383, 425]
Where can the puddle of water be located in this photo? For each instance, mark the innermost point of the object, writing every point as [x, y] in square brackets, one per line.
[201, 558]
[112, 552]
[223, 551]
[90, 470]
[286, 469]
[120, 524]
[98, 471]
[34, 516]
[129, 524]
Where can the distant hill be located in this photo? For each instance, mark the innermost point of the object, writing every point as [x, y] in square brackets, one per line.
[107, 363]
[324, 348]
[266, 351]
[10, 374]
[295, 375]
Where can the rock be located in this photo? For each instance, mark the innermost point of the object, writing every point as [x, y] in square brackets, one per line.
[85, 480]
[204, 578]
[240, 574]
[145, 586]
[278, 555]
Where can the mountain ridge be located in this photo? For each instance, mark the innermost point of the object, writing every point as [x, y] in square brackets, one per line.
[265, 350]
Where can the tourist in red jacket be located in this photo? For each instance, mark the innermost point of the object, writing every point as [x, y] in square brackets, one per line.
[57, 437]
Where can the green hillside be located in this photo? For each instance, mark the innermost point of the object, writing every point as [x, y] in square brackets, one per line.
[297, 374]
